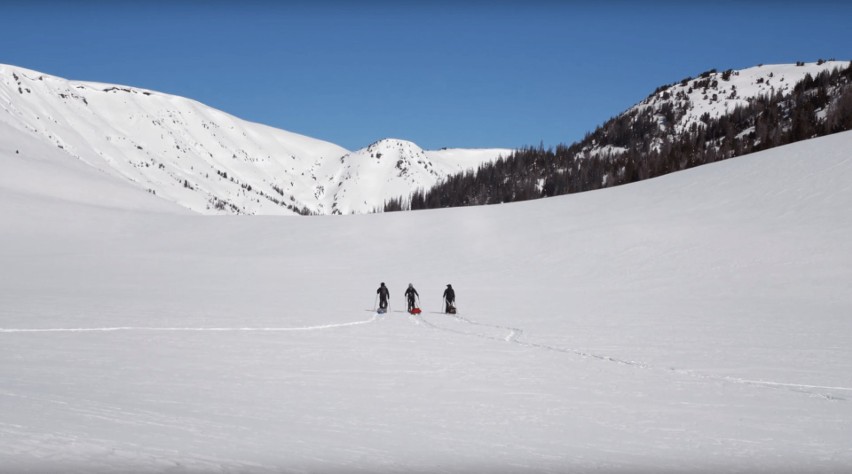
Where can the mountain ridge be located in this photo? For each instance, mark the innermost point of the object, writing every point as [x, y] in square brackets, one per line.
[199, 157]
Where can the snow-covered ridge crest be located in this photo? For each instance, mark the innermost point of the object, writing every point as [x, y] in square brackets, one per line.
[205, 159]
[717, 93]
[675, 109]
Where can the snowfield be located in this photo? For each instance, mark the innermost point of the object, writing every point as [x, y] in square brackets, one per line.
[698, 322]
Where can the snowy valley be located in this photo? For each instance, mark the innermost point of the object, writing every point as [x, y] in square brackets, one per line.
[694, 322]
[697, 322]
[213, 163]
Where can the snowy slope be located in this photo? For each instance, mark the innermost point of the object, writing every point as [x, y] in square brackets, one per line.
[678, 107]
[719, 93]
[186, 152]
[697, 322]
[31, 168]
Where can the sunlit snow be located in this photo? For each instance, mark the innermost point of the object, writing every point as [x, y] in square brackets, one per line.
[209, 161]
[694, 322]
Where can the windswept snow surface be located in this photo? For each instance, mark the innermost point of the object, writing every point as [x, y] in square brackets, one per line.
[698, 322]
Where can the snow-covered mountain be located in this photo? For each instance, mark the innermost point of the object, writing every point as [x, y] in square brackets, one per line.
[692, 101]
[692, 123]
[393, 168]
[207, 160]
[718, 93]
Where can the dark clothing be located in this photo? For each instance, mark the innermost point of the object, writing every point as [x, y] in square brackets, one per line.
[410, 293]
[449, 298]
[449, 295]
[384, 294]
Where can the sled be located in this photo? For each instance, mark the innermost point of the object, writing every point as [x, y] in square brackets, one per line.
[451, 309]
[381, 311]
[415, 311]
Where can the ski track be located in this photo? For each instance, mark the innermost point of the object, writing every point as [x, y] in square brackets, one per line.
[514, 336]
[374, 318]
[516, 333]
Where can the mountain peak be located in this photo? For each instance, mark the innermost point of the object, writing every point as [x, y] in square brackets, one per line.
[391, 144]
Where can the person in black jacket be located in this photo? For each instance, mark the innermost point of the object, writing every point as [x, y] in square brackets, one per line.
[384, 294]
[449, 300]
[410, 294]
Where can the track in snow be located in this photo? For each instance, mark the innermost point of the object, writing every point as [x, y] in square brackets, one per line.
[516, 333]
[374, 318]
[513, 336]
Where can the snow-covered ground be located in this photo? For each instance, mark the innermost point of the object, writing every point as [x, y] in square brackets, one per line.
[698, 322]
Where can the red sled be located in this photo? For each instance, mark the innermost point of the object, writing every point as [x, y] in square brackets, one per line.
[415, 311]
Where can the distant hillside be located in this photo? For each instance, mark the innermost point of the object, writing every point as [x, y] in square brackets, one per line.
[206, 160]
[715, 116]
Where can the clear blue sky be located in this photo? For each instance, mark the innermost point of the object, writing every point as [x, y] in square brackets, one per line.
[439, 73]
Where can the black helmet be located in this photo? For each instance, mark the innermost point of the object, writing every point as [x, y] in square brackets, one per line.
[449, 286]
[383, 283]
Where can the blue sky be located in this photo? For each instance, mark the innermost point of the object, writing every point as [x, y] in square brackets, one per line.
[439, 73]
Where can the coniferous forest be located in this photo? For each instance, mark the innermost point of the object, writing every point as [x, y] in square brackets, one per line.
[647, 145]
